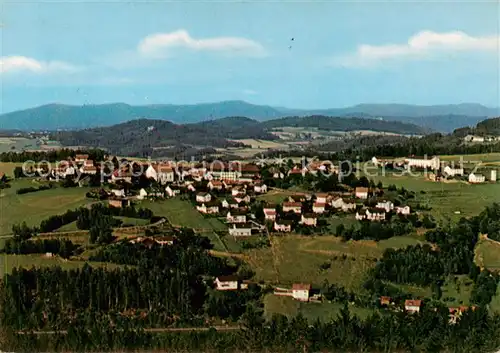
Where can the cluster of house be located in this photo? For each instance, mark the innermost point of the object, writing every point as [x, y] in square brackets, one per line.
[440, 169]
[380, 211]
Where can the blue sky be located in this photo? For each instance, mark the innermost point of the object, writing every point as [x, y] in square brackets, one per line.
[342, 54]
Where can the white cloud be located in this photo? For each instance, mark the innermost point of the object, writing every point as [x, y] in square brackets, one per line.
[423, 45]
[161, 44]
[25, 64]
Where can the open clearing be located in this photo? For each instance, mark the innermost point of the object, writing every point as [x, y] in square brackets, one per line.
[323, 311]
[262, 144]
[36, 206]
[182, 213]
[8, 167]
[488, 254]
[294, 258]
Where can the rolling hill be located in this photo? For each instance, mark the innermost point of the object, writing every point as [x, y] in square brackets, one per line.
[143, 136]
[444, 118]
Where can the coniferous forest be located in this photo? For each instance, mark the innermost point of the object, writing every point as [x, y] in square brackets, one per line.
[163, 298]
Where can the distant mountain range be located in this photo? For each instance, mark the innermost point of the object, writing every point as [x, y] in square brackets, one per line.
[444, 118]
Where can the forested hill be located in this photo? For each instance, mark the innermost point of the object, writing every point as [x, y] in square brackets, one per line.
[144, 135]
[346, 124]
[443, 118]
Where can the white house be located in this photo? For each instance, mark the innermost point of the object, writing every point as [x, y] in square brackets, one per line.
[236, 216]
[319, 207]
[371, 215]
[309, 219]
[451, 172]
[162, 173]
[301, 291]
[361, 192]
[172, 191]
[242, 197]
[388, 206]
[238, 190]
[208, 209]
[260, 188]
[119, 192]
[241, 230]
[142, 194]
[473, 138]
[203, 197]
[295, 207]
[476, 178]
[322, 198]
[226, 283]
[191, 187]
[80, 158]
[413, 306]
[283, 226]
[215, 184]
[86, 169]
[270, 214]
[344, 205]
[404, 210]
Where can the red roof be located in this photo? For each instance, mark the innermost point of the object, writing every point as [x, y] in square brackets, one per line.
[301, 286]
[361, 189]
[319, 204]
[415, 302]
[292, 204]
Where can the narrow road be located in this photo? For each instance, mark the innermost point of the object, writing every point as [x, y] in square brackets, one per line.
[152, 330]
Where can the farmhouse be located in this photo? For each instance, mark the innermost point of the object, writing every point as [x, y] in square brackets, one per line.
[404, 210]
[236, 216]
[229, 203]
[322, 198]
[344, 204]
[309, 219]
[301, 291]
[388, 206]
[238, 190]
[88, 163]
[284, 226]
[473, 138]
[208, 208]
[451, 172]
[270, 214]
[361, 193]
[476, 178]
[295, 207]
[319, 207]
[260, 187]
[119, 175]
[172, 190]
[242, 197]
[162, 173]
[413, 306]
[215, 185]
[203, 197]
[374, 214]
[241, 230]
[150, 241]
[119, 192]
[81, 158]
[86, 169]
[230, 282]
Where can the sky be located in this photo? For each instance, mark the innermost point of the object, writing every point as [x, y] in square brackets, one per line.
[301, 54]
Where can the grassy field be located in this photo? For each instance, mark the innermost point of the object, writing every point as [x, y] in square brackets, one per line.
[447, 198]
[37, 206]
[293, 259]
[262, 144]
[457, 288]
[323, 311]
[7, 168]
[184, 214]
[9, 262]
